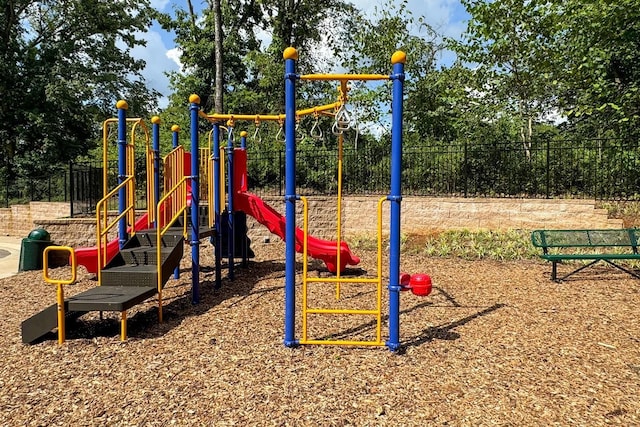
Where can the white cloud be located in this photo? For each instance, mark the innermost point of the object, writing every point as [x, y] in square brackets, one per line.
[174, 55]
[159, 4]
[158, 63]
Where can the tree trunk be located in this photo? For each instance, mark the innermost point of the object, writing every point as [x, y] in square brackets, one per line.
[219, 88]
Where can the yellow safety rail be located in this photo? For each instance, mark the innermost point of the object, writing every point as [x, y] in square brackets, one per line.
[130, 160]
[206, 190]
[102, 220]
[173, 173]
[306, 280]
[151, 177]
[178, 206]
[59, 283]
[223, 183]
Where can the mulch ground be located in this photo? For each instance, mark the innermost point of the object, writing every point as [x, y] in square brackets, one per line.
[496, 343]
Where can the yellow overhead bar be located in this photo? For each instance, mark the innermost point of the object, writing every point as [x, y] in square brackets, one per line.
[269, 117]
[344, 77]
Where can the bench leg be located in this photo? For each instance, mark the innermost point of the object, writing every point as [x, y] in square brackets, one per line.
[577, 270]
[554, 271]
[626, 270]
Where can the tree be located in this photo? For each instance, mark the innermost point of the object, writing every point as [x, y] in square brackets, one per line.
[253, 72]
[509, 45]
[598, 65]
[64, 65]
[373, 41]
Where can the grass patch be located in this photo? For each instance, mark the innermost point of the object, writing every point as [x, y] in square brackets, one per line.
[497, 245]
[627, 211]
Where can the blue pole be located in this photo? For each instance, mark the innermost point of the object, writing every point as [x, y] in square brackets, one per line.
[230, 228]
[245, 244]
[122, 107]
[243, 139]
[155, 120]
[195, 220]
[291, 56]
[217, 246]
[175, 141]
[395, 197]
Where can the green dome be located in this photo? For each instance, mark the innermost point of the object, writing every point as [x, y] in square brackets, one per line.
[40, 234]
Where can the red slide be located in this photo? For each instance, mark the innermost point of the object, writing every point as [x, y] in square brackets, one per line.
[324, 250]
[89, 256]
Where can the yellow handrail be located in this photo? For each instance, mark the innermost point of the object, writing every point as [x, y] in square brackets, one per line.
[103, 229]
[178, 194]
[59, 283]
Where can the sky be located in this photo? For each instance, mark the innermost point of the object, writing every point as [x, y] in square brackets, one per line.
[447, 17]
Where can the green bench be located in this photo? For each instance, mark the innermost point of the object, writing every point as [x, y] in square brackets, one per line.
[608, 245]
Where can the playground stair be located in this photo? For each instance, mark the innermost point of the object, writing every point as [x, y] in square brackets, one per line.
[129, 279]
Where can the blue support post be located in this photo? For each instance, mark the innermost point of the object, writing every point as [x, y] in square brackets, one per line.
[290, 56]
[245, 244]
[175, 141]
[217, 244]
[122, 169]
[195, 190]
[395, 197]
[155, 120]
[230, 224]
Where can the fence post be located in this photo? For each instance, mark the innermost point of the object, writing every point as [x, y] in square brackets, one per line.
[548, 173]
[71, 188]
[465, 168]
[280, 178]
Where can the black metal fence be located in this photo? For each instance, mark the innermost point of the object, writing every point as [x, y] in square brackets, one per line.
[599, 168]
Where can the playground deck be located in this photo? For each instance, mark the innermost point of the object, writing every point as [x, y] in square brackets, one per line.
[495, 344]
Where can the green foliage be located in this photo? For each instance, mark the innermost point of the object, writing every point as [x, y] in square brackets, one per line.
[64, 65]
[253, 81]
[506, 245]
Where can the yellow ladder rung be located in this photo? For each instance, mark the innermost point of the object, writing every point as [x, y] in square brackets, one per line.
[342, 311]
[339, 280]
[342, 342]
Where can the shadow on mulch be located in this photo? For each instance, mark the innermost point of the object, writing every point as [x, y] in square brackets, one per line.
[144, 324]
[442, 332]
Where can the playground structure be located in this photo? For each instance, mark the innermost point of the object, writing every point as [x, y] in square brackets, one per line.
[148, 249]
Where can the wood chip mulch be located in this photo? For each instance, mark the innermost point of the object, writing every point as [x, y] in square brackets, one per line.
[496, 343]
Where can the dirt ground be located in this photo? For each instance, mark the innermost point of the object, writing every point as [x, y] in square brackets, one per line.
[496, 343]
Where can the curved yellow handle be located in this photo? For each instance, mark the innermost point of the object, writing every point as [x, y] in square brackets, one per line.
[45, 263]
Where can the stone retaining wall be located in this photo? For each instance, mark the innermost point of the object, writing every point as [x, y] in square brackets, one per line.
[359, 217]
[428, 214]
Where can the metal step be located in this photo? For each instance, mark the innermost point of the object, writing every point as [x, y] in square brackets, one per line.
[110, 298]
[145, 255]
[40, 324]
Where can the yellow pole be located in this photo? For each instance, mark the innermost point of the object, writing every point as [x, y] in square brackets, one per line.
[61, 326]
[123, 326]
[59, 283]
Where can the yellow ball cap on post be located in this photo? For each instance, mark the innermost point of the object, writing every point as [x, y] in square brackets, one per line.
[175, 128]
[122, 105]
[243, 134]
[194, 99]
[399, 57]
[156, 120]
[290, 53]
